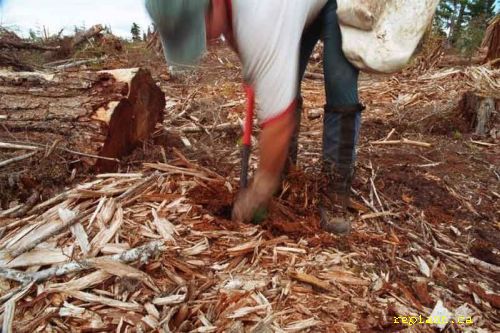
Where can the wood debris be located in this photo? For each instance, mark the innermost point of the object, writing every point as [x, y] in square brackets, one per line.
[150, 247]
[137, 283]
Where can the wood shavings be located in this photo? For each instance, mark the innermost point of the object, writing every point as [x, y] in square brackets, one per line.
[312, 280]
[10, 308]
[290, 250]
[119, 269]
[106, 234]
[245, 311]
[164, 227]
[87, 297]
[243, 248]
[152, 311]
[151, 321]
[236, 283]
[82, 283]
[486, 81]
[69, 310]
[41, 256]
[113, 248]
[301, 325]
[172, 299]
[440, 311]
[344, 278]
[77, 229]
[164, 256]
[197, 249]
[424, 268]
[141, 253]
[108, 211]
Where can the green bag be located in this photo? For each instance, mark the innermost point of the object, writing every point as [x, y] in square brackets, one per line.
[181, 24]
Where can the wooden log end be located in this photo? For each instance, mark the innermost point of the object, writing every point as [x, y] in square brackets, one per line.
[133, 118]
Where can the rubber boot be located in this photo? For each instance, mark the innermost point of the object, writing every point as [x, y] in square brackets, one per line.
[339, 150]
[335, 217]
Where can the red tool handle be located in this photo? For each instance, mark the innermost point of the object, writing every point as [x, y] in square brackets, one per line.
[247, 130]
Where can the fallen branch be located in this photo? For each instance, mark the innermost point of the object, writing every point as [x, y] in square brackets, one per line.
[7, 145]
[35, 146]
[58, 62]
[390, 134]
[16, 159]
[484, 144]
[120, 175]
[311, 280]
[376, 215]
[8, 212]
[29, 204]
[454, 61]
[77, 63]
[50, 202]
[403, 141]
[142, 253]
[14, 275]
[87, 34]
[198, 129]
[4, 44]
[484, 265]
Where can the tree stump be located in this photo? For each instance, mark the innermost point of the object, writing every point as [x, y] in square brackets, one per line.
[106, 113]
[491, 41]
[482, 112]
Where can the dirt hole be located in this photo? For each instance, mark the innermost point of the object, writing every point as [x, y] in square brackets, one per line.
[224, 212]
[215, 199]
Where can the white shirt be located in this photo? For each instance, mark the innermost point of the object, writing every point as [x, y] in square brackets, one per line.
[268, 35]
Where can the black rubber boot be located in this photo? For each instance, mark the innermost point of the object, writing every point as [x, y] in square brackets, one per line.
[335, 217]
[339, 169]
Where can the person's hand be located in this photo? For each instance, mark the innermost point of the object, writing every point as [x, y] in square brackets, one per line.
[255, 197]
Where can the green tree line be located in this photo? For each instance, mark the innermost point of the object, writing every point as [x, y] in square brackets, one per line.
[463, 22]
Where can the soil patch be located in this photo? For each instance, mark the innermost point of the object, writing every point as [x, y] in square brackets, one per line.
[406, 184]
[214, 198]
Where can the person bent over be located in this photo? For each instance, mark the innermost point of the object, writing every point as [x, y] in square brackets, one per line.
[274, 40]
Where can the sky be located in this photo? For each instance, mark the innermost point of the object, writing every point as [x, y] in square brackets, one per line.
[22, 15]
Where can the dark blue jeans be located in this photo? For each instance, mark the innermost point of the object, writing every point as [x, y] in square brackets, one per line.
[342, 117]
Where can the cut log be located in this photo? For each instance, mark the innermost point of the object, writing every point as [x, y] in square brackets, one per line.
[6, 44]
[106, 113]
[87, 34]
[154, 42]
[481, 112]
